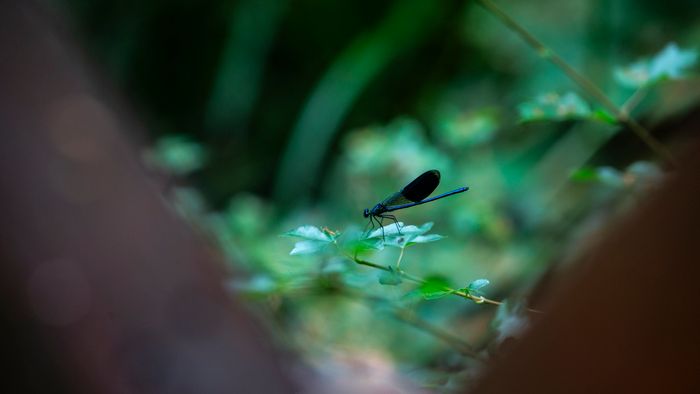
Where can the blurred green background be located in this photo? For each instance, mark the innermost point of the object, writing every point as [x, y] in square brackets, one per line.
[277, 114]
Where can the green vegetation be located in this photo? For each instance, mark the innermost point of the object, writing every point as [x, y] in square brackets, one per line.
[555, 123]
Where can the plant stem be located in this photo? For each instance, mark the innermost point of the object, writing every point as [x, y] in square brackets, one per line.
[415, 279]
[633, 101]
[584, 83]
[398, 262]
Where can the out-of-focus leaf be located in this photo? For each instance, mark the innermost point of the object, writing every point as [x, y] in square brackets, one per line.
[258, 285]
[336, 265]
[177, 154]
[402, 145]
[391, 277]
[644, 170]
[610, 176]
[510, 320]
[464, 129]
[670, 63]
[584, 174]
[478, 284]
[604, 116]
[189, 202]
[606, 175]
[434, 288]
[553, 106]
[247, 215]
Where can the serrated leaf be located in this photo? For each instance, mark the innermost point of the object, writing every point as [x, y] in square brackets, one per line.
[390, 278]
[478, 284]
[363, 245]
[408, 235]
[670, 63]
[392, 230]
[386, 231]
[422, 239]
[354, 241]
[308, 247]
[435, 288]
[309, 232]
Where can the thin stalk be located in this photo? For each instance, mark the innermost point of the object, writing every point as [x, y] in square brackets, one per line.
[633, 101]
[415, 279]
[398, 262]
[584, 83]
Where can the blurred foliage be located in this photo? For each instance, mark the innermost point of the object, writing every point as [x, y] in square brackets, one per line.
[299, 114]
[670, 63]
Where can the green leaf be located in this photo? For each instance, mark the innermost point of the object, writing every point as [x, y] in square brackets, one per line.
[465, 129]
[606, 175]
[435, 288]
[390, 278]
[584, 174]
[670, 63]
[308, 232]
[403, 241]
[422, 239]
[307, 247]
[510, 320]
[177, 154]
[392, 230]
[408, 235]
[604, 116]
[315, 240]
[610, 176]
[353, 241]
[644, 170]
[478, 284]
[552, 106]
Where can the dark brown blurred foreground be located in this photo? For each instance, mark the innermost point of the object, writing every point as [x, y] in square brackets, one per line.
[104, 290]
[626, 318]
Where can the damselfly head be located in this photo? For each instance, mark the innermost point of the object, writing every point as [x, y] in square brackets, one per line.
[366, 213]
